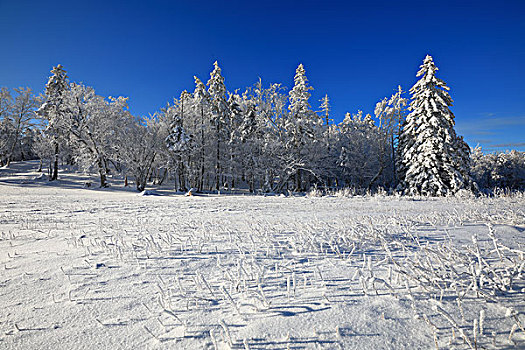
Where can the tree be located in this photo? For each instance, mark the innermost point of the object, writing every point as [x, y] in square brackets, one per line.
[325, 109]
[360, 143]
[498, 170]
[391, 114]
[6, 101]
[138, 147]
[178, 140]
[433, 156]
[220, 116]
[22, 116]
[200, 109]
[54, 110]
[91, 126]
[265, 137]
[302, 127]
[42, 148]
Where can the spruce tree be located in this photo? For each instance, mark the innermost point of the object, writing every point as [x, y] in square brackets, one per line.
[434, 159]
[200, 106]
[220, 115]
[301, 124]
[325, 109]
[178, 139]
[54, 109]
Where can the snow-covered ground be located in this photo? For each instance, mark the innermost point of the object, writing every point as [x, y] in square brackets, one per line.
[110, 269]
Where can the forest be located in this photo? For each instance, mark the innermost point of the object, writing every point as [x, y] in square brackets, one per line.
[263, 139]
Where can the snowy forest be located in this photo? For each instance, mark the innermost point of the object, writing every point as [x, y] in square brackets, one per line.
[382, 230]
[262, 139]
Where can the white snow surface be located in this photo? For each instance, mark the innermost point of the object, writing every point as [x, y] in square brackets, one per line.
[88, 268]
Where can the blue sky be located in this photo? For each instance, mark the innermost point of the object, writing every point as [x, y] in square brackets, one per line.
[356, 52]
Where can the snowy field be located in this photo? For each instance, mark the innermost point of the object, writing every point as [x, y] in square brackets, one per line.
[110, 269]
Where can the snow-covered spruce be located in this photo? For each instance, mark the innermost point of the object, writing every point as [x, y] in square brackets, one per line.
[54, 110]
[303, 126]
[434, 159]
[178, 140]
[220, 116]
[325, 108]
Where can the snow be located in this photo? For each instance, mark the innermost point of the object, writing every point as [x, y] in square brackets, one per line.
[106, 268]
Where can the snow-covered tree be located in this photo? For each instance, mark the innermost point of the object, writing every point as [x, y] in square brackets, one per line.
[390, 114]
[303, 129]
[267, 163]
[220, 116]
[299, 123]
[91, 126]
[140, 142]
[17, 124]
[325, 109]
[498, 170]
[359, 145]
[433, 156]
[236, 151]
[200, 109]
[54, 110]
[42, 148]
[22, 117]
[396, 115]
[6, 127]
[178, 139]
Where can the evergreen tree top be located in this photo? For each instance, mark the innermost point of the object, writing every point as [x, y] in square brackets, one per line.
[200, 92]
[430, 81]
[429, 92]
[184, 94]
[57, 81]
[299, 95]
[216, 84]
[325, 103]
[216, 75]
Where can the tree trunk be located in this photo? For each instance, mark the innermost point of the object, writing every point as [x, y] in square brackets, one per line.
[15, 141]
[201, 179]
[163, 176]
[180, 174]
[218, 162]
[394, 162]
[102, 173]
[54, 173]
[141, 185]
[298, 180]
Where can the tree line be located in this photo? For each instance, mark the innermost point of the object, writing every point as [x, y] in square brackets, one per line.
[264, 138]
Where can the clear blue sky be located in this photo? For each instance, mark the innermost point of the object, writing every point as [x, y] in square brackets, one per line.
[356, 52]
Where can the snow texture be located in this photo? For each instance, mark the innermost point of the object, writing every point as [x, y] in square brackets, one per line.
[105, 268]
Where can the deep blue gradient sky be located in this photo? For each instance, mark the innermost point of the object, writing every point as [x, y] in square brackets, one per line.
[356, 52]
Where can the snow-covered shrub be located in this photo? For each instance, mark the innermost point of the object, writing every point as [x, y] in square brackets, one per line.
[314, 192]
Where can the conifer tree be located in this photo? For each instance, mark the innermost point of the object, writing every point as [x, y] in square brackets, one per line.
[220, 114]
[300, 113]
[325, 109]
[301, 123]
[434, 158]
[200, 107]
[54, 109]
[178, 139]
